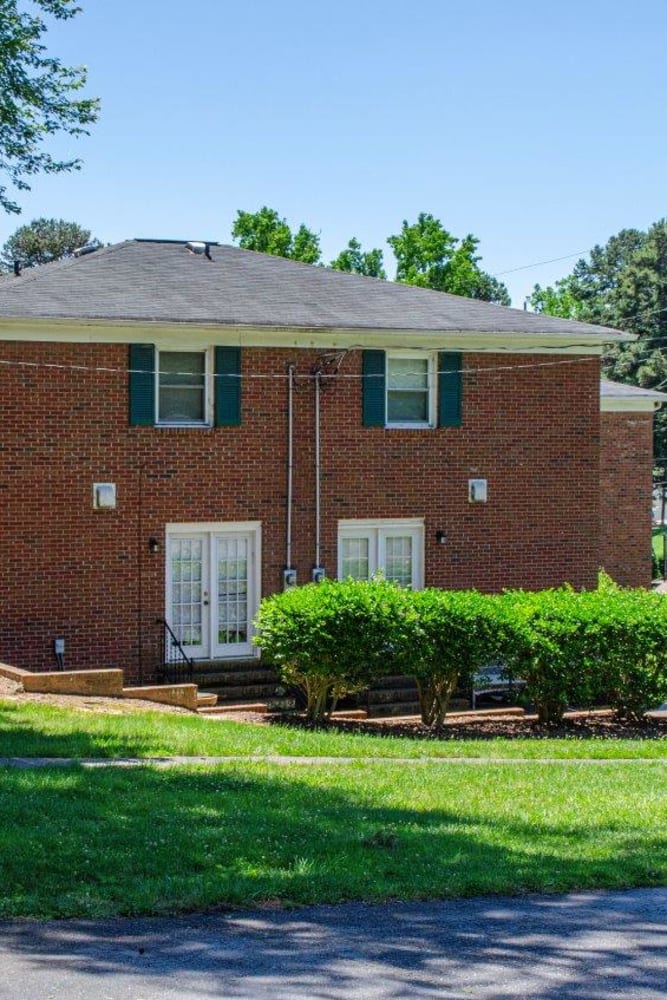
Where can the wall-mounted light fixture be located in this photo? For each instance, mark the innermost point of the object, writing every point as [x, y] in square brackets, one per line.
[153, 545]
[441, 537]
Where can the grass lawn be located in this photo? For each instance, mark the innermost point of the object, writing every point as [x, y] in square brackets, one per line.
[40, 730]
[100, 842]
[81, 842]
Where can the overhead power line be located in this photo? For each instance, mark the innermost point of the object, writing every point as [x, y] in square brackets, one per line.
[539, 263]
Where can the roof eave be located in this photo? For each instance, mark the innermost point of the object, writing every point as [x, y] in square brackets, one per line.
[91, 330]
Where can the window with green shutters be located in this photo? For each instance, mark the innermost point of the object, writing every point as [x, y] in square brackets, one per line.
[411, 389]
[170, 388]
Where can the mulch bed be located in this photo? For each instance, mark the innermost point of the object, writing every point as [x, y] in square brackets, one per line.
[578, 726]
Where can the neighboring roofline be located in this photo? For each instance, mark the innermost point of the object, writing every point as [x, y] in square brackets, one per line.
[618, 397]
[201, 335]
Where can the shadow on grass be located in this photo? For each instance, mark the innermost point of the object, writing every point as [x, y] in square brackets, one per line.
[99, 843]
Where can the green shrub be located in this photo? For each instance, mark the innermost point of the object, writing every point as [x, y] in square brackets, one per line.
[632, 625]
[558, 648]
[336, 638]
[582, 648]
[333, 638]
[456, 633]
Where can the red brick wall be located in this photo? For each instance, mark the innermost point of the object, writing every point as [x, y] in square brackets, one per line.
[532, 431]
[625, 497]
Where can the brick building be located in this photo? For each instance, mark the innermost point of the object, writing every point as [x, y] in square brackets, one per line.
[184, 426]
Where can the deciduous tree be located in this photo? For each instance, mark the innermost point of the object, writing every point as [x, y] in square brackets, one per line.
[37, 95]
[42, 241]
[429, 256]
[623, 284]
[266, 232]
[355, 261]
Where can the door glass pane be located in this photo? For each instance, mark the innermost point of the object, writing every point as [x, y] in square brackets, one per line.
[355, 558]
[233, 626]
[186, 607]
[398, 560]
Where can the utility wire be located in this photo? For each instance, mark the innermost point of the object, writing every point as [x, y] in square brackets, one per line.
[539, 263]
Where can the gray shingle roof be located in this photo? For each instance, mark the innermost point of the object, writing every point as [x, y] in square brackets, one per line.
[619, 390]
[162, 281]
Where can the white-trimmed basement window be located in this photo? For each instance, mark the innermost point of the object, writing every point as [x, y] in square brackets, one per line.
[182, 388]
[410, 389]
[393, 548]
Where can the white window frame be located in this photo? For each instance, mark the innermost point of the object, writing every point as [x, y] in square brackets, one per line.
[430, 358]
[377, 530]
[208, 387]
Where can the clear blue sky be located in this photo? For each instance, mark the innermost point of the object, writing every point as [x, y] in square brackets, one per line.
[538, 126]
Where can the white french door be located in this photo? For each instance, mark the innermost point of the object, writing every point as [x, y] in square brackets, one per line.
[213, 588]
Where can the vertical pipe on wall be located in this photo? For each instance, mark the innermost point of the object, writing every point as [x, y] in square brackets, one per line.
[317, 469]
[290, 464]
[140, 573]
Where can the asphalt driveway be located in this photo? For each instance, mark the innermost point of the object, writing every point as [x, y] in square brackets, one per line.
[584, 945]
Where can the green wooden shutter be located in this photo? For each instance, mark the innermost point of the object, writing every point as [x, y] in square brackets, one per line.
[142, 385]
[227, 386]
[450, 388]
[373, 388]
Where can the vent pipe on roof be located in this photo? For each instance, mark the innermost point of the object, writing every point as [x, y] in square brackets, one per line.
[199, 247]
[88, 248]
[17, 268]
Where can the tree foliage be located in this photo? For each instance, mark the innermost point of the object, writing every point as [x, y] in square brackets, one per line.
[429, 256]
[426, 254]
[355, 261]
[266, 232]
[37, 95]
[623, 285]
[42, 241]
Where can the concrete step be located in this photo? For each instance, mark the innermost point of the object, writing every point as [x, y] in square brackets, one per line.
[248, 692]
[229, 666]
[259, 707]
[206, 699]
[379, 697]
[394, 708]
[220, 678]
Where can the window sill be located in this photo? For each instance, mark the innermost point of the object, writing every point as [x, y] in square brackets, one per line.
[182, 426]
[409, 427]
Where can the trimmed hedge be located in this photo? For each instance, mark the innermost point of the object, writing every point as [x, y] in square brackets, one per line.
[571, 648]
[456, 634]
[334, 638]
[608, 645]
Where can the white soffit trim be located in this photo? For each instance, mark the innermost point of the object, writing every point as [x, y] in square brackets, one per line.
[199, 337]
[630, 404]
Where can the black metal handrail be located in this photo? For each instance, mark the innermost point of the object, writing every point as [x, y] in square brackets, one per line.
[175, 666]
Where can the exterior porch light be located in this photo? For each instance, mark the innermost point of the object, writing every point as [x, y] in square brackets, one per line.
[441, 537]
[153, 545]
